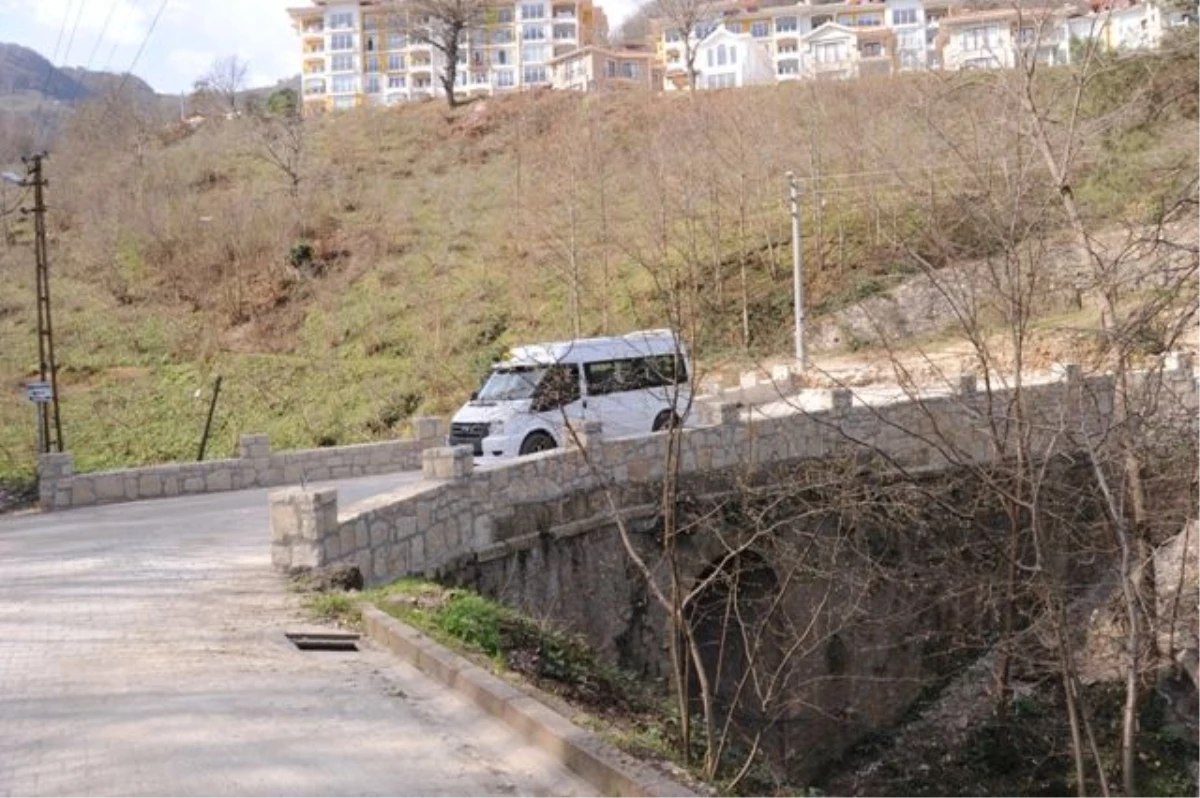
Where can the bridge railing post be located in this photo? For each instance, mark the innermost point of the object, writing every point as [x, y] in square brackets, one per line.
[301, 523]
[448, 462]
[54, 469]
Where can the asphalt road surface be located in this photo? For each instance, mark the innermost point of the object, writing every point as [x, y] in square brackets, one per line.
[142, 652]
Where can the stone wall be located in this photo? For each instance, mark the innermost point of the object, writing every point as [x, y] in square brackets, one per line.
[255, 467]
[461, 513]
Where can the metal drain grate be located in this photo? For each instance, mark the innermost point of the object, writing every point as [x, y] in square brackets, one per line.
[323, 641]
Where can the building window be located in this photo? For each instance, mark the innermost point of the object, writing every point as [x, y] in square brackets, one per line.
[534, 74]
[341, 41]
[371, 21]
[396, 81]
[830, 52]
[504, 36]
[821, 19]
[373, 84]
[789, 66]
[502, 57]
[397, 41]
[343, 63]
[533, 11]
[904, 16]
[371, 43]
[872, 50]
[503, 79]
[395, 62]
[979, 38]
[534, 53]
[341, 20]
[314, 86]
[785, 25]
[504, 16]
[672, 35]
[760, 30]
[373, 63]
[724, 81]
[532, 33]
[345, 84]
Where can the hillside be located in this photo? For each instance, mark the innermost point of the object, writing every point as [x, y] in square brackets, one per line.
[349, 272]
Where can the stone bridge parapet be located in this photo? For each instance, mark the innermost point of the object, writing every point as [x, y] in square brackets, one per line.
[459, 513]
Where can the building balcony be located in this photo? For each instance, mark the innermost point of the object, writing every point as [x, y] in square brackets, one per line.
[563, 12]
[313, 28]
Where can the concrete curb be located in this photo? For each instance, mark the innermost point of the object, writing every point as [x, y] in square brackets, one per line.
[608, 770]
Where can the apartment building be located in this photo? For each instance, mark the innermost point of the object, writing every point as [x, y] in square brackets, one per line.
[821, 40]
[592, 68]
[362, 52]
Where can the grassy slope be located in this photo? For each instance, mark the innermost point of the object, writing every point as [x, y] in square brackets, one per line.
[441, 238]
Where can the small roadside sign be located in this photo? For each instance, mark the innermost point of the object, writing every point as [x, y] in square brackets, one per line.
[41, 393]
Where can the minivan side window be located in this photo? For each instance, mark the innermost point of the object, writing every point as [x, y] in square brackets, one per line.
[559, 387]
[634, 374]
[664, 370]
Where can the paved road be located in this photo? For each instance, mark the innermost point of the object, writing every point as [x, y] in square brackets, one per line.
[142, 653]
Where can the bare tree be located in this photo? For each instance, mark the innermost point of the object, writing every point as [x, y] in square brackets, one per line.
[445, 26]
[687, 19]
[223, 81]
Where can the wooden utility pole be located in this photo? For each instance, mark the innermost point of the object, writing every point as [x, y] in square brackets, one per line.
[51, 428]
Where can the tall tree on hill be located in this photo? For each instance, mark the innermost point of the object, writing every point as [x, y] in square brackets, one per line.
[444, 25]
[224, 79]
[687, 17]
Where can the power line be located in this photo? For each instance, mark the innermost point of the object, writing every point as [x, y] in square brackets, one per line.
[37, 114]
[112, 10]
[74, 30]
[133, 64]
[112, 53]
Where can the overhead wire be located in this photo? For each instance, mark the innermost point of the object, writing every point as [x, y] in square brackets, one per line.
[112, 10]
[37, 114]
[133, 64]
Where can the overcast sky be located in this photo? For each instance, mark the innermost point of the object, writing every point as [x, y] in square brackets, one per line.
[189, 35]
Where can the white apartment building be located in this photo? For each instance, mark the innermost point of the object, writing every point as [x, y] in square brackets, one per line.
[821, 40]
[361, 52]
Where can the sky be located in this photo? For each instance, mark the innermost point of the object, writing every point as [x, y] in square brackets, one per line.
[188, 36]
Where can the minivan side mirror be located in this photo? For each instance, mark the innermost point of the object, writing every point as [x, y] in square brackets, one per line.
[474, 395]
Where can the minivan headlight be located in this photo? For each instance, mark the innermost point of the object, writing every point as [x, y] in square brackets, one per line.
[496, 428]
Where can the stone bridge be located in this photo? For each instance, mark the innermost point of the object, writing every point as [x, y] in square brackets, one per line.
[854, 524]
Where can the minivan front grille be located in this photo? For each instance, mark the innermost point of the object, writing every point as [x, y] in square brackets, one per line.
[469, 435]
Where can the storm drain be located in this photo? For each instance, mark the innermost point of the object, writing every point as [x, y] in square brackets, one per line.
[323, 641]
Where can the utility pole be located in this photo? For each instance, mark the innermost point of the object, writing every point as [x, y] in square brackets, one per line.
[797, 270]
[50, 429]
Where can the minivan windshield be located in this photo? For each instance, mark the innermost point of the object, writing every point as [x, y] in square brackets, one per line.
[511, 383]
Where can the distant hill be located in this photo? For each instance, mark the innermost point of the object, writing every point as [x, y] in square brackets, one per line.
[24, 72]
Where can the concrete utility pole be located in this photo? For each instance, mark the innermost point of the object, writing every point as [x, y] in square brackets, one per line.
[797, 270]
[50, 430]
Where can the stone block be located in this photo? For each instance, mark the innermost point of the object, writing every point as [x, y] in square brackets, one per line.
[416, 554]
[339, 472]
[967, 385]
[379, 534]
[447, 463]
[129, 482]
[348, 539]
[1178, 365]
[841, 399]
[149, 486]
[83, 492]
[109, 487]
[584, 433]
[219, 479]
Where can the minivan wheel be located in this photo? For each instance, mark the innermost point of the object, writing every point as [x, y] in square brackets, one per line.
[665, 419]
[537, 442]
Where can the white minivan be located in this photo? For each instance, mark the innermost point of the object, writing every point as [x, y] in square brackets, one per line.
[632, 384]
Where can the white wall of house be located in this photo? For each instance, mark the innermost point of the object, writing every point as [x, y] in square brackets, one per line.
[726, 60]
[907, 19]
[830, 51]
[979, 44]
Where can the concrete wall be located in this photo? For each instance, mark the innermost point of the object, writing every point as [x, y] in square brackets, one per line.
[459, 513]
[255, 467]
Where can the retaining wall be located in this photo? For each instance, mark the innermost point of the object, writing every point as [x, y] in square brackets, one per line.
[255, 467]
[461, 513]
